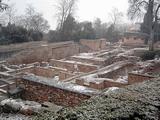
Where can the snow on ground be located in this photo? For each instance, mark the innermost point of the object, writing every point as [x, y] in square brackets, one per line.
[86, 54]
[111, 89]
[122, 79]
[79, 88]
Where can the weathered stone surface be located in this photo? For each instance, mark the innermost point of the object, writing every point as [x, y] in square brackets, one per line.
[136, 102]
[18, 105]
[42, 89]
[50, 107]
[9, 107]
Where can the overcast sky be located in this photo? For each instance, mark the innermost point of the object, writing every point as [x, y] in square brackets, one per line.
[86, 9]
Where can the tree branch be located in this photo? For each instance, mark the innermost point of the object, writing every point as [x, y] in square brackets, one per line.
[157, 10]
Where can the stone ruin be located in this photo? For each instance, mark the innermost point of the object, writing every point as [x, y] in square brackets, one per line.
[68, 81]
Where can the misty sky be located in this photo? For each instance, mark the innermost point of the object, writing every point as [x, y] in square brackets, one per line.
[86, 9]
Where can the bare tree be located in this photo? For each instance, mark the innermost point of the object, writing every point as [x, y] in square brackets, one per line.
[33, 20]
[100, 28]
[113, 32]
[152, 9]
[64, 9]
[3, 6]
[116, 16]
[10, 13]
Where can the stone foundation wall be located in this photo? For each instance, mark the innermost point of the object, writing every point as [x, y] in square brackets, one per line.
[64, 51]
[95, 45]
[90, 61]
[71, 66]
[108, 84]
[48, 72]
[43, 72]
[46, 52]
[131, 41]
[10, 86]
[152, 69]
[101, 85]
[41, 93]
[64, 75]
[135, 78]
[122, 71]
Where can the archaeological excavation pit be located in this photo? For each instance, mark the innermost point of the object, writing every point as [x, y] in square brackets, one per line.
[115, 75]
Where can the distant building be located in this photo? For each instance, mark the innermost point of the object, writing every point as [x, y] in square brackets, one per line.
[133, 37]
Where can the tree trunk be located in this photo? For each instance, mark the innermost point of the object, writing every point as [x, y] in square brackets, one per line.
[151, 40]
[151, 25]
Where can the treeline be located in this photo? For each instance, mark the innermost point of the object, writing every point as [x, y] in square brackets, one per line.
[69, 28]
[24, 28]
[11, 34]
[32, 26]
[74, 30]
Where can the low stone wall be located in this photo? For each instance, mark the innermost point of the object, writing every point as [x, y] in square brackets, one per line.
[64, 75]
[135, 78]
[132, 41]
[7, 87]
[118, 71]
[45, 72]
[46, 52]
[94, 61]
[7, 54]
[154, 68]
[101, 85]
[108, 84]
[70, 66]
[95, 45]
[41, 93]
[65, 50]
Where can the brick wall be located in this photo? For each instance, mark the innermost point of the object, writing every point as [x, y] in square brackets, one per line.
[70, 66]
[39, 71]
[41, 93]
[45, 53]
[133, 41]
[108, 84]
[90, 61]
[43, 72]
[10, 86]
[135, 78]
[95, 45]
[115, 73]
[64, 51]
[64, 75]
[86, 68]
[48, 72]
[155, 68]
[101, 85]
[80, 82]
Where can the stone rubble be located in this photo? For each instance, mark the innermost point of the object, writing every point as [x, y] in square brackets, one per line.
[20, 106]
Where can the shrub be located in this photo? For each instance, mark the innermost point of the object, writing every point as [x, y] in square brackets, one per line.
[150, 55]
